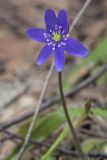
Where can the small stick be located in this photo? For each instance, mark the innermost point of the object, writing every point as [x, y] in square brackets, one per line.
[86, 4]
[35, 114]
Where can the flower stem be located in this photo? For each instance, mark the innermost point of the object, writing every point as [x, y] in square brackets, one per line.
[77, 144]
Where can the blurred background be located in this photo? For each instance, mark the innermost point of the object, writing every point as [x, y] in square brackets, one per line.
[21, 80]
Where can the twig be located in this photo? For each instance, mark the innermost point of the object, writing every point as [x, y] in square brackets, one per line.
[35, 113]
[59, 149]
[93, 134]
[16, 97]
[86, 4]
[56, 99]
[99, 121]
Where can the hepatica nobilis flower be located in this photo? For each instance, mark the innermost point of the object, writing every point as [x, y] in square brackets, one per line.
[57, 40]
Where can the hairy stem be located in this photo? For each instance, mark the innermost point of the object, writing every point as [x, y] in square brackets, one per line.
[78, 147]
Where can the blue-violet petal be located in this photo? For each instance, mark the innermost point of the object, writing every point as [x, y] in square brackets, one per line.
[75, 48]
[44, 54]
[63, 19]
[50, 19]
[37, 34]
[59, 59]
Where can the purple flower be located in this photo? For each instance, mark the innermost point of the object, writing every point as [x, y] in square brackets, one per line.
[57, 39]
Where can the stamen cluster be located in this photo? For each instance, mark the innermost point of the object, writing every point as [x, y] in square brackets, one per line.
[54, 41]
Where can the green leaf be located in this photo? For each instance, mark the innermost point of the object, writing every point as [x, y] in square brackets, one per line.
[100, 112]
[45, 125]
[49, 125]
[89, 144]
[60, 138]
[64, 133]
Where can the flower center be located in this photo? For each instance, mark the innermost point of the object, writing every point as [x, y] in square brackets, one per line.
[56, 37]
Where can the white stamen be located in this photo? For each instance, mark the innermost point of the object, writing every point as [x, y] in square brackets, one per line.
[63, 31]
[63, 44]
[56, 26]
[53, 33]
[65, 38]
[67, 35]
[60, 27]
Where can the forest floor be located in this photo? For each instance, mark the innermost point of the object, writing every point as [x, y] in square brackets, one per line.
[21, 80]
